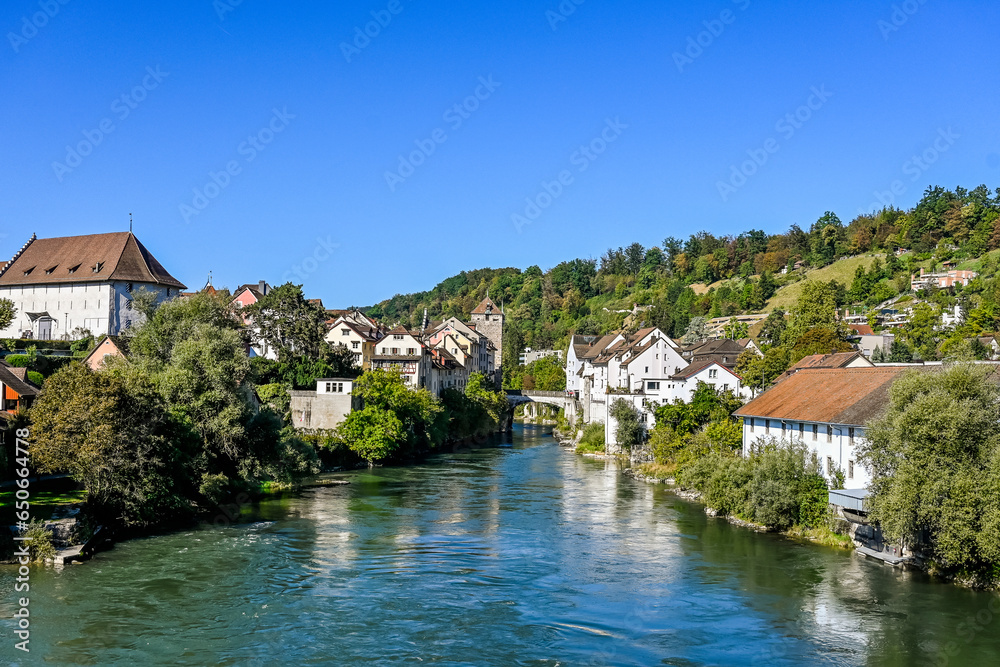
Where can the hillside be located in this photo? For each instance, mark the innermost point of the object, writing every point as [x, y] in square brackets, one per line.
[718, 276]
[842, 271]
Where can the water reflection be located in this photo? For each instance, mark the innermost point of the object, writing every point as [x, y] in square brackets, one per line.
[525, 554]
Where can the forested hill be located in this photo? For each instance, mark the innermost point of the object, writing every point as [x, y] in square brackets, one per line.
[713, 276]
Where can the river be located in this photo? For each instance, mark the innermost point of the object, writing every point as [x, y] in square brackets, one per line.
[523, 554]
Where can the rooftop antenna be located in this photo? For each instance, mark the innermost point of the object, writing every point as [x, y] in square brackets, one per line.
[129, 223]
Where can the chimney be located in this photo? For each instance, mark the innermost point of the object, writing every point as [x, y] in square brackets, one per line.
[262, 287]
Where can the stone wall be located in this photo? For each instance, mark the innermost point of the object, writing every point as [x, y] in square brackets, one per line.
[320, 411]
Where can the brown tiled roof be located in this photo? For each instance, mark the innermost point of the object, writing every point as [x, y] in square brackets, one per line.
[119, 256]
[481, 308]
[16, 379]
[830, 396]
[598, 347]
[862, 329]
[835, 360]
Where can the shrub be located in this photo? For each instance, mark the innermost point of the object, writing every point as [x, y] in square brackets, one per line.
[39, 541]
[36, 377]
[592, 440]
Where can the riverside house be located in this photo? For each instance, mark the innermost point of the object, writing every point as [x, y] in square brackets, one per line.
[824, 408]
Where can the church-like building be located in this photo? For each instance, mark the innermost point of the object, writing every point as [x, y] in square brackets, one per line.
[88, 282]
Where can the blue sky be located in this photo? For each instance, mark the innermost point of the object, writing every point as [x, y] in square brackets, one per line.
[254, 139]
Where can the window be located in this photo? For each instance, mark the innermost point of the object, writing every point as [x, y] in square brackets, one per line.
[829, 433]
[345, 332]
[802, 429]
[653, 386]
[355, 344]
[335, 387]
[411, 351]
[815, 431]
[395, 350]
[50, 270]
[647, 369]
[850, 470]
[713, 373]
[850, 436]
[767, 427]
[397, 336]
[783, 428]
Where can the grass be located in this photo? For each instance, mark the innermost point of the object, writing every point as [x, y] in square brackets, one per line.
[657, 470]
[44, 503]
[822, 535]
[587, 448]
[842, 271]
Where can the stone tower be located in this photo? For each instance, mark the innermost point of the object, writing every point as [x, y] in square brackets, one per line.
[488, 320]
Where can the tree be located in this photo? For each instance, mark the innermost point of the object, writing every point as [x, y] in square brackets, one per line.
[372, 433]
[415, 409]
[7, 313]
[758, 372]
[112, 431]
[628, 432]
[773, 328]
[918, 331]
[288, 323]
[819, 340]
[735, 329]
[899, 353]
[934, 462]
[695, 331]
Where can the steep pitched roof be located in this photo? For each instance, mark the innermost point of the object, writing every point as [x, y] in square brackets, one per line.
[597, 348]
[17, 380]
[90, 258]
[830, 396]
[483, 305]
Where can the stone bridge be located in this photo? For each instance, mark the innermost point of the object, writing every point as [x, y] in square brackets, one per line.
[559, 399]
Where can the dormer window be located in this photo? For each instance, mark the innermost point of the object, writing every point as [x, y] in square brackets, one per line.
[28, 272]
[49, 271]
[73, 269]
[98, 267]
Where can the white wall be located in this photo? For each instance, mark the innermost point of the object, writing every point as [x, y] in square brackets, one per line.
[836, 448]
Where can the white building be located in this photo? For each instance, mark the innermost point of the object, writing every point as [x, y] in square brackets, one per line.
[826, 409]
[60, 284]
[327, 407]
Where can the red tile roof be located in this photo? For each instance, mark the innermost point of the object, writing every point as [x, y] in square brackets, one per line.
[862, 329]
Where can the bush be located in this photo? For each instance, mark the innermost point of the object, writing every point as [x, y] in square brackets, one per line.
[592, 440]
[36, 377]
[39, 541]
[778, 487]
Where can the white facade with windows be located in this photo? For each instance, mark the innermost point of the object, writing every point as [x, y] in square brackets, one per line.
[834, 444]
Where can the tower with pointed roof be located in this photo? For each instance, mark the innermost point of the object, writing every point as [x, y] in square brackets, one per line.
[488, 320]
